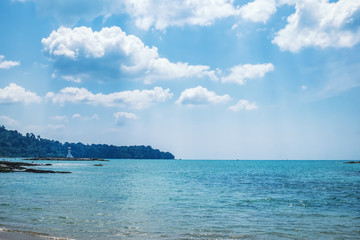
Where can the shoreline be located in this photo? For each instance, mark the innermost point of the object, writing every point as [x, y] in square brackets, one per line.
[64, 159]
[11, 167]
[6, 234]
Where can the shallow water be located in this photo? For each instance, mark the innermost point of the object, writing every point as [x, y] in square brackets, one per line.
[159, 199]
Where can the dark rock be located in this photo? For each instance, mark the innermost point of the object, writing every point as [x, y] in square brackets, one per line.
[64, 159]
[6, 167]
[42, 171]
[98, 165]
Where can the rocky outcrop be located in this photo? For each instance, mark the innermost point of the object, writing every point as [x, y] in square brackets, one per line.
[7, 166]
[65, 159]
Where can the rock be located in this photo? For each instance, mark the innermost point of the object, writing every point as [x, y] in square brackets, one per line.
[98, 165]
[6, 167]
[42, 171]
[64, 159]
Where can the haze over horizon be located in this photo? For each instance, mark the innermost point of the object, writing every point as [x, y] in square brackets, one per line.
[259, 79]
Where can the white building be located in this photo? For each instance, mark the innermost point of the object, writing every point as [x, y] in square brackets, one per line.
[69, 153]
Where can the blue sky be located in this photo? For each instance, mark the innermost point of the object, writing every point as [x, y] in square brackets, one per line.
[259, 79]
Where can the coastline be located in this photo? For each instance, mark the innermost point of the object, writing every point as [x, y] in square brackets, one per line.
[65, 159]
[6, 234]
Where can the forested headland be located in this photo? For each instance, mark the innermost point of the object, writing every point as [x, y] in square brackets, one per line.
[14, 144]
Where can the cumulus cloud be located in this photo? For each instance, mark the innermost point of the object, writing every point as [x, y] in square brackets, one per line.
[134, 99]
[122, 117]
[162, 14]
[320, 24]
[111, 51]
[258, 10]
[243, 105]
[17, 94]
[200, 96]
[7, 64]
[240, 73]
[8, 121]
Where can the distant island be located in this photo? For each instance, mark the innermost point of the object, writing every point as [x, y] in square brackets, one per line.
[14, 144]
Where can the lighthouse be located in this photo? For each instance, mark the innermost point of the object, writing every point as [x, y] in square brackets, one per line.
[69, 153]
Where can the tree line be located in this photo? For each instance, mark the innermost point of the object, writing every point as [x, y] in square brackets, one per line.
[14, 144]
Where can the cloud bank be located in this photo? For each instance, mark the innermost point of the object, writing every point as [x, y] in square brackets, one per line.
[133, 99]
[315, 23]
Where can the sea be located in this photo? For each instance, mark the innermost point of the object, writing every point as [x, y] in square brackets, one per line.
[185, 199]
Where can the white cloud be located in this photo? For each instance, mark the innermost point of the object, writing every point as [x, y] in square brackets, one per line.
[320, 24]
[240, 73]
[111, 51]
[72, 79]
[158, 14]
[45, 129]
[243, 105]
[258, 10]
[122, 117]
[134, 99]
[7, 64]
[59, 118]
[78, 116]
[95, 117]
[200, 96]
[162, 68]
[304, 87]
[163, 13]
[16, 94]
[8, 121]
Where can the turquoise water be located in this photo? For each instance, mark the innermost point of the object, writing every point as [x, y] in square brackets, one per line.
[157, 199]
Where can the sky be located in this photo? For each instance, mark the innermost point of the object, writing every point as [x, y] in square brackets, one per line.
[202, 79]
